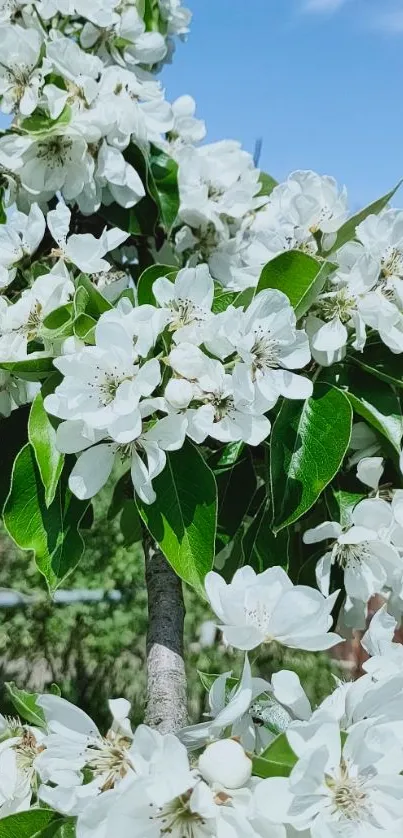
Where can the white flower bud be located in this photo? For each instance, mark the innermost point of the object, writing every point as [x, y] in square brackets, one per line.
[226, 763]
[179, 393]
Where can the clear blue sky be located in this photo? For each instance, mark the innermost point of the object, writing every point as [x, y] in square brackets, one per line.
[323, 88]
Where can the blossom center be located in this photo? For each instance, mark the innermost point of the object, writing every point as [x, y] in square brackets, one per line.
[265, 352]
[348, 795]
[392, 262]
[350, 555]
[55, 151]
[177, 819]
[339, 304]
[109, 759]
[185, 312]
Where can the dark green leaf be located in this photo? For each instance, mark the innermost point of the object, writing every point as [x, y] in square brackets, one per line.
[183, 519]
[379, 361]
[164, 171]
[13, 435]
[25, 705]
[299, 276]
[42, 437]
[228, 456]
[147, 279]
[236, 487]
[347, 231]
[262, 548]
[308, 444]
[50, 532]
[130, 524]
[277, 760]
[222, 298]
[376, 402]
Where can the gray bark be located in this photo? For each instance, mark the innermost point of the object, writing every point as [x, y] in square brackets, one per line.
[166, 679]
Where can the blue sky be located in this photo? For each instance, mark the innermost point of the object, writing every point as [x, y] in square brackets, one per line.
[319, 80]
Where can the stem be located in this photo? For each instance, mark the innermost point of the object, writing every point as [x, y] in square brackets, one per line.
[166, 681]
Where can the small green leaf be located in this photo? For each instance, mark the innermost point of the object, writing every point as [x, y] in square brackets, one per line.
[299, 276]
[144, 288]
[59, 323]
[84, 328]
[183, 519]
[346, 502]
[208, 678]
[308, 444]
[96, 303]
[347, 230]
[277, 760]
[222, 298]
[42, 437]
[50, 532]
[41, 123]
[268, 183]
[25, 705]
[31, 368]
[164, 170]
[229, 454]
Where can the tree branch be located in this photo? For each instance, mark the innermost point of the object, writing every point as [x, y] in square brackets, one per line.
[166, 681]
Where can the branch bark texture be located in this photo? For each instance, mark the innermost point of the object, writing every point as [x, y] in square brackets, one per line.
[166, 679]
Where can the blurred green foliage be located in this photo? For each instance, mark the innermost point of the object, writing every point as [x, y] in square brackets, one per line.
[96, 651]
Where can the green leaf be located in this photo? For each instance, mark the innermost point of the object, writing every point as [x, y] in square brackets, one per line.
[96, 303]
[164, 170]
[144, 288]
[31, 368]
[130, 524]
[347, 230]
[84, 328]
[277, 760]
[235, 486]
[346, 502]
[13, 435]
[183, 519]
[222, 298]
[25, 705]
[51, 532]
[41, 123]
[207, 679]
[268, 183]
[378, 405]
[379, 361]
[31, 824]
[262, 548]
[42, 437]
[59, 323]
[298, 275]
[229, 454]
[308, 444]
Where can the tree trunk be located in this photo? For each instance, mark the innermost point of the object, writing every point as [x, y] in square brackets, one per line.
[166, 680]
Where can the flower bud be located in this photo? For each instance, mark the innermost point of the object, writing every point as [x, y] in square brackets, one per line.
[226, 763]
[179, 393]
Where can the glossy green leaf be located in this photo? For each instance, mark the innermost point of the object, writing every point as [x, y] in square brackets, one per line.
[222, 298]
[277, 760]
[347, 230]
[50, 532]
[262, 548]
[41, 123]
[308, 444]
[376, 402]
[164, 171]
[146, 281]
[379, 361]
[25, 705]
[299, 276]
[84, 328]
[42, 437]
[59, 323]
[31, 368]
[183, 519]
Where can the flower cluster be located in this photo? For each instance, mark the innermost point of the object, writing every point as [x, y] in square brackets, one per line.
[342, 764]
